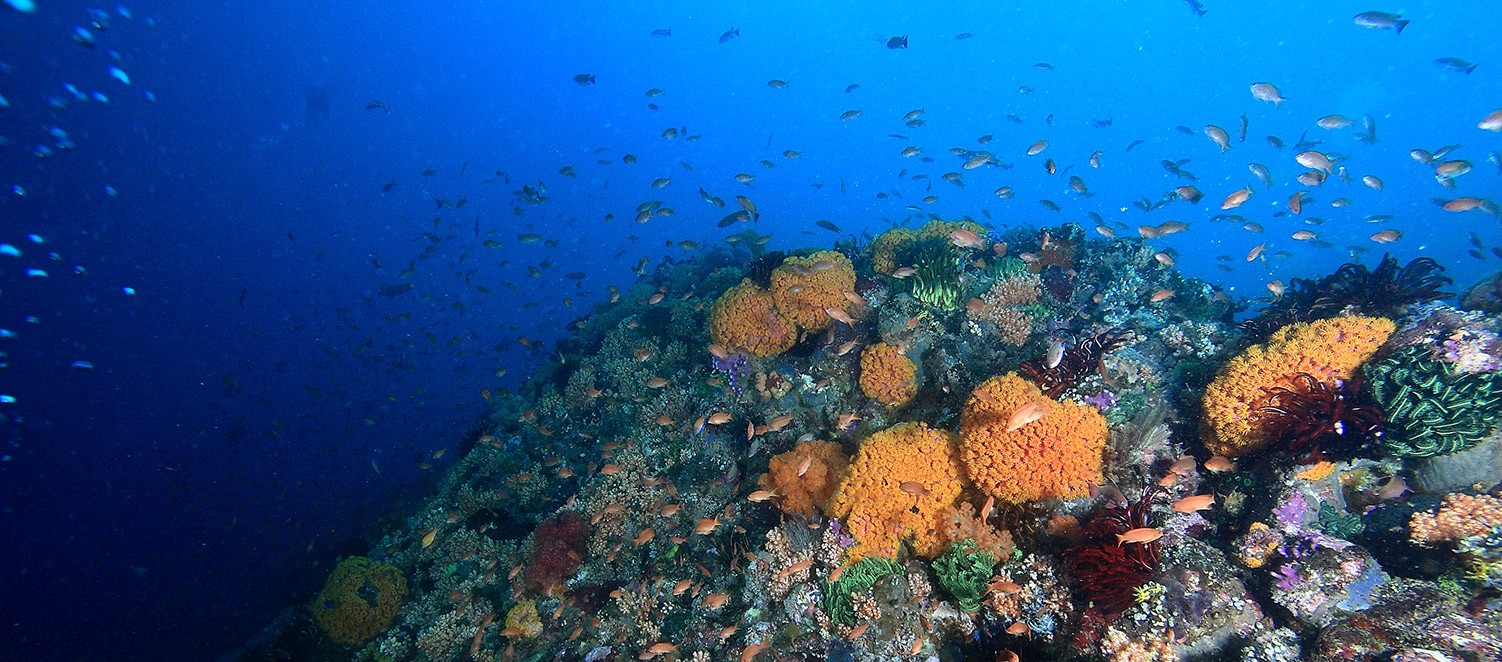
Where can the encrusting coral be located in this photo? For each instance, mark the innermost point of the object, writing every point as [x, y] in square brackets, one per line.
[360, 599]
[1055, 456]
[745, 318]
[1327, 350]
[804, 478]
[899, 485]
[887, 375]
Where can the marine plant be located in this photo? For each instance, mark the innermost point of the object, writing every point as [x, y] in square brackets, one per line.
[1433, 409]
[1055, 455]
[1326, 350]
[1075, 363]
[899, 486]
[858, 577]
[1353, 288]
[965, 570]
[887, 375]
[1315, 419]
[1107, 572]
[360, 598]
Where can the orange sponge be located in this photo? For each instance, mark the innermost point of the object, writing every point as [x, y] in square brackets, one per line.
[1056, 455]
[805, 287]
[1326, 349]
[744, 318]
[821, 463]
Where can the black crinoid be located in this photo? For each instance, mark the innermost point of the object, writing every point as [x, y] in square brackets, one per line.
[1316, 420]
[1075, 363]
[1383, 291]
[760, 269]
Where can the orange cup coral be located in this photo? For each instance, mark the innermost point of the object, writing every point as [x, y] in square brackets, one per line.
[821, 464]
[804, 288]
[360, 598]
[887, 375]
[1327, 350]
[745, 318]
[1055, 455]
[902, 483]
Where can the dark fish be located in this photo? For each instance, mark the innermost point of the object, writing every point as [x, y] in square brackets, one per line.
[730, 34]
[897, 42]
[382, 105]
[242, 297]
[1456, 64]
[662, 32]
[393, 291]
[1275, 141]
[386, 188]
[897, 136]
[575, 275]
[1368, 133]
[734, 217]
[1043, 66]
[1184, 130]
[1134, 144]
[852, 87]
[1196, 7]
[1101, 124]
[1305, 144]
[584, 79]
[828, 226]
[963, 36]
[1014, 119]
[1241, 133]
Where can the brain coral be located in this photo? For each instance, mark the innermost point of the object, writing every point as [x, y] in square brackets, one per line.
[1327, 350]
[901, 484]
[745, 318]
[887, 375]
[359, 600]
[803, 287]
[1054, 457]
[803, 494]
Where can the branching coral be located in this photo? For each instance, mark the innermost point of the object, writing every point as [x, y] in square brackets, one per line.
[1327, 350]
[1432, 409]
[887, 375]
[804, 288]
[804, 478]
[899, 485]
[1055, 456]
[745, 318]
[360, 599]
[965, 570]
[1460, 516]
[1105, 570]
[558, 546]
[1076, 362]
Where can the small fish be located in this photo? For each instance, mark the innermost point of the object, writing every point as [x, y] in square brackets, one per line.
[1393, 488]
[849, 115]
[584, 79]
[1219, 464]
[1054, 354]
[1372, 182]
[1236, 198]
[428, 538]
[1219, 136]
[1267, 92]
[1026, 414]
[729, 34]
[706, 525]
[963, 238]
[1333, 122]
[1380, 20]
[1304, 235]
[1314, 160]
[1456, 64]
[899, 41]
[1141, 535]
[1261, 173]
[914, 488]
[1037, 148]
[1161, 295]
[840, 316]
[762, 495]
[656, 382]
[662, 32]
[1192, 504]
[1386, 236]
[777, 84]
[1492, 122]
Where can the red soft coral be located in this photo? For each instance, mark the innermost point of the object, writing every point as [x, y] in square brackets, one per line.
[557, 549]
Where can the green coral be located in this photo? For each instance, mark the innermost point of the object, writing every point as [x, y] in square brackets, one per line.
[360, 598]
[858, 578]
[1149, 592]
[964, 570]
[1431, 409]
[937, 282]
[1338, 524]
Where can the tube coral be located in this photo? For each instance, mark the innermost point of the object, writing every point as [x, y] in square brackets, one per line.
[805, 288]
[360, 598]
[900, 484]
[745, 318]
[804, 478]
[1055, 456]
[1327, 350]
[887, 375]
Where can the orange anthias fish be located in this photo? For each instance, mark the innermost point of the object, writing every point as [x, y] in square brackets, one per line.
[1026, 414]
[1141, 535]
[1194, 503]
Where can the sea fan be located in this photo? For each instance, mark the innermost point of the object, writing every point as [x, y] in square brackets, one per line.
[1107, 572]
[1315, 420]
[1075, 363]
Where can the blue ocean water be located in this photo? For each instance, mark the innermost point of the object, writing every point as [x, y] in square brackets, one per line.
[253, 239]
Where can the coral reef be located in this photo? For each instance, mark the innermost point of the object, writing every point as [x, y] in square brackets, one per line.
[359, 600]
[557, 550]
[805, 477]
[1054, 456]
[965, 570]
[745, 318]
[899, 485]
[887, 375]
[1327, 350]
[805, 288]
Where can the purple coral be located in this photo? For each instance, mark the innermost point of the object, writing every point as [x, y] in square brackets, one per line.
[734, 367]
[1290, 513]
[1102, 401]
[1288, 576]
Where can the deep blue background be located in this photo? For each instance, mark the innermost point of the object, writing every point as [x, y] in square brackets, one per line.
[221, 455]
